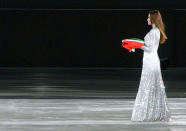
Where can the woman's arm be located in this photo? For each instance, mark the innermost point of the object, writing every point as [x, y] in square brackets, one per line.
[149, 41]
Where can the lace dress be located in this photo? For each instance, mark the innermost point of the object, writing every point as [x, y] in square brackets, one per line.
[151, 102]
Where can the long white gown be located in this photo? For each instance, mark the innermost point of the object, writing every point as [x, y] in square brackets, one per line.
[151, 102]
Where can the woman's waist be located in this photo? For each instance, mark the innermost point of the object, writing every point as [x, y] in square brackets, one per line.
[152, 54]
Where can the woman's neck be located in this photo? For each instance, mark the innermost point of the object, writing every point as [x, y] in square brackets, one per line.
[153, 25]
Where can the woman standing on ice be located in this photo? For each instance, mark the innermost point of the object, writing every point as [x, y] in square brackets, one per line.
[151, 101]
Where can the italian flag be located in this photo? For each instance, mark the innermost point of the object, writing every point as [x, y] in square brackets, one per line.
[131, 44]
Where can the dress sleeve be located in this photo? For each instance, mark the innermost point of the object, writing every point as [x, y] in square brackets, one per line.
[149, 41]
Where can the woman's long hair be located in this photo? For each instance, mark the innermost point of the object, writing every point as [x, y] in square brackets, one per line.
[155, 18]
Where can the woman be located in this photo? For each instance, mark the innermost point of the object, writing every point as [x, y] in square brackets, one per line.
[151, 101]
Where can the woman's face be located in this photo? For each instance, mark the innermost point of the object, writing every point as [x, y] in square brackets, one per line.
[148, 19]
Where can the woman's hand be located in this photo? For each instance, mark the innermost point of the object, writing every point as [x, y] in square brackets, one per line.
[133, 50]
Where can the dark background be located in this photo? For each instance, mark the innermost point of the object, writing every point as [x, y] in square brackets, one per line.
[79, 33]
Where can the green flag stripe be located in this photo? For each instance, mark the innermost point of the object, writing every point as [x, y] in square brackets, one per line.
[135, 40]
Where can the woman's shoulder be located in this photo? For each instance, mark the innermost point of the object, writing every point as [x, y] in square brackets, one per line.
[154, 31]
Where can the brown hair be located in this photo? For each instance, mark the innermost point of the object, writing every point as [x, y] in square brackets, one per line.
[155, 18]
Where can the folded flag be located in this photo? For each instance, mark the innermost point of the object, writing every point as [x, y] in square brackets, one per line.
[131, 44]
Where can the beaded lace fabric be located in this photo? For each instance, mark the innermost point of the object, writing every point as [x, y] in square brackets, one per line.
[151, 102]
